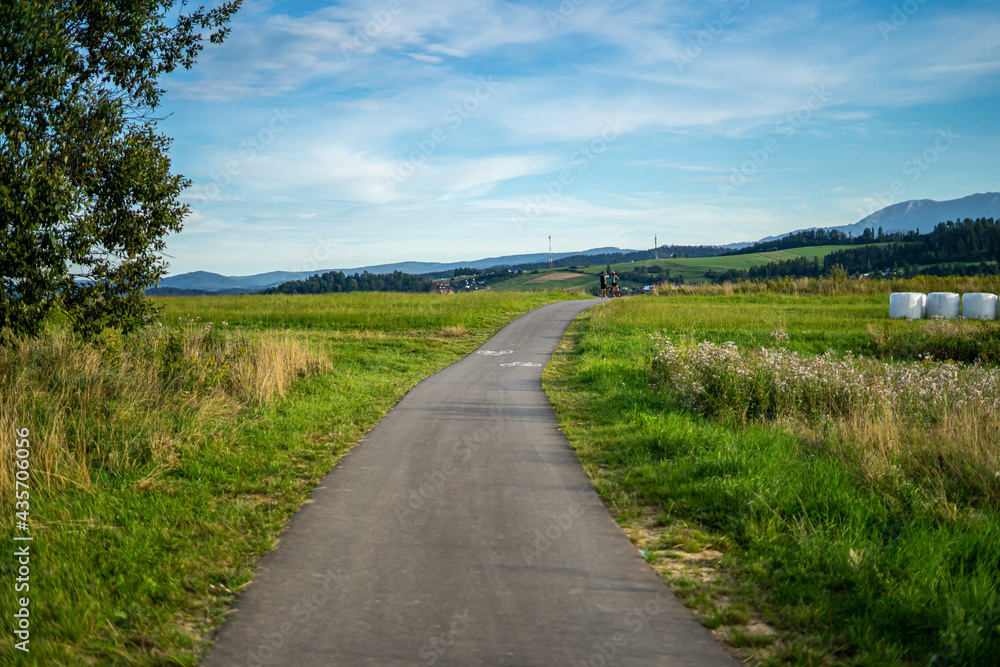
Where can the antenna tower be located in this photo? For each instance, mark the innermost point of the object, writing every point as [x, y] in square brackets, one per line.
[550, 251]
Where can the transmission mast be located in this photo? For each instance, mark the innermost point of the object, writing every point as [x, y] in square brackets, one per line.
[550, 251]
[656, 248]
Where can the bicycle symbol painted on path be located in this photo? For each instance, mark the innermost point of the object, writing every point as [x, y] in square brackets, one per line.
[497, 353]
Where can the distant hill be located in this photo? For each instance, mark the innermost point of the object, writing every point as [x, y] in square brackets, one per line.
[335, 281]
[924, 214]
[216, 283]
[956, 248]
[906, 216]
[662, 252]
[915, 214]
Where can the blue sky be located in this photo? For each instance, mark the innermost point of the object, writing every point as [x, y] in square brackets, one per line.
[336, 135]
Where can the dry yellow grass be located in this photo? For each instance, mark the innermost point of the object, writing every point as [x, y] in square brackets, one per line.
[454, 331]
[936, 422]
[960, 447]
[125, 404]
[557, 276]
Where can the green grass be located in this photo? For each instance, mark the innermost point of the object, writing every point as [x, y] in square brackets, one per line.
[850, 570]
[522, 282]
[358, 311]
[695, 269]
[747, 320]
[819, 251]
[136, 565]
[692, 270]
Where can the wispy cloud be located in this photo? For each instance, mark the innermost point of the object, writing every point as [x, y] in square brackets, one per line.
[695, 86]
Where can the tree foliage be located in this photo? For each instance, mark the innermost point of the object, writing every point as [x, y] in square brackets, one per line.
[961, 248]
[86, 191]
[609, 258]
[818, 237]
[338, 281]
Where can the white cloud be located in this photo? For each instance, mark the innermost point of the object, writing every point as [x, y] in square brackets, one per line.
[423, 57]
[447, 50]
[690, 167]
[370, 86]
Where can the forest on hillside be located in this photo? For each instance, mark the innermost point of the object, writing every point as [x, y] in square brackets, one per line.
[962, 248]
[817, 237]
[337, 281]
[662, 252]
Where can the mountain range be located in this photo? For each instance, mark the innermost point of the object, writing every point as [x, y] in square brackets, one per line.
[207, 282]
[919, 214]
[915, 214]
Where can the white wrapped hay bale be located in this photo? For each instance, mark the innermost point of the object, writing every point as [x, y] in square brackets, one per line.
[979, 306]
[908, 305]
[943, 304]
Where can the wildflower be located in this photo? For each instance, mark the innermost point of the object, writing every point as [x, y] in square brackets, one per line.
[774, 381]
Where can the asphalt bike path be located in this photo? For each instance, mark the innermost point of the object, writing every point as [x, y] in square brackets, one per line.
[462, 530]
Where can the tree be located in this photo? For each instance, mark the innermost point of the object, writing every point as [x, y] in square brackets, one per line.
[86, 191]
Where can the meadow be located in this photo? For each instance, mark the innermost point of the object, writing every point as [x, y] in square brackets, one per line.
[819, 483]
[164, 463]
[693, 270]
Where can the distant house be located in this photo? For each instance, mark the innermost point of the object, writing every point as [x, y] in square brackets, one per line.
[443, 287]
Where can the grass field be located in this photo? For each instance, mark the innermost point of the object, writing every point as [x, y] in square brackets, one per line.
[691, 270]
[833, 530]
[555, 276]
[540, 281]
[165, 463]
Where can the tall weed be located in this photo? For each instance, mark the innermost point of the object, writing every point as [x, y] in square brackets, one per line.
[126, 404]
[937, 422]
